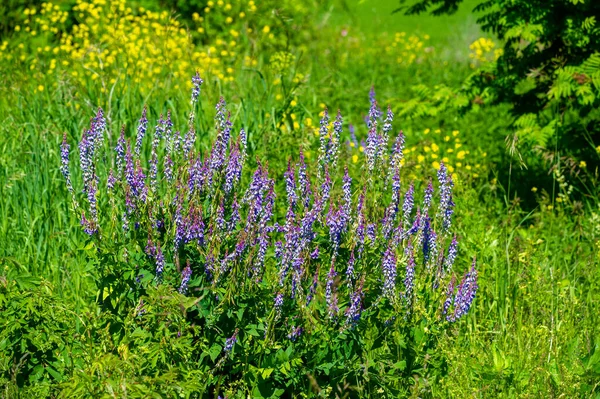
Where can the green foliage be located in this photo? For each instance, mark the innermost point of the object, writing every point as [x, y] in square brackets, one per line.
[549, 68]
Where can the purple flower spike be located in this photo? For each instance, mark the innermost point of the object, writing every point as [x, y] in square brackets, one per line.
[372, 148]
[295, 333]
[233, 171]
[141, 132]
[433, 248]
[86, 159]
[290, 185]
[466, 293]
[89, 227]
[371, 232]
[374, 115]
[388, 265]
[446, 203]
[387, 124]
[220, 218]
[449, 297]
[347, 190]
[91, 197]
[160, 260]
[64, 158]
[159, 129]
[153, 170]
[315, 254]
[396, 189]
[409, 279]
[186, 274]
[354, 310]
[350, 270]
[303, 181]
[179, 227]
[169, 169]
[397, 155]
[230, 342]
[428, 197]
[221, 115]
[120, 150]
[111, 180]
[451, 257]
[188, 141]
[426, 229]
[278, 305]
[196, 83]
[336, 221]
[235, 215]
[98, 127]
[334, 141]
[169, 136]
[409, 201]
[313, 287]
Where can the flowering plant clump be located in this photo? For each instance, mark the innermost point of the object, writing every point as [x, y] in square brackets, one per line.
[315, 271]
[117, 44]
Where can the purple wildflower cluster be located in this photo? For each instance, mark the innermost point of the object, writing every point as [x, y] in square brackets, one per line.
[207, 211]
[329, 141]
[461, 298]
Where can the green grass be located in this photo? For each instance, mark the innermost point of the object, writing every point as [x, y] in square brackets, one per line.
[450, 35]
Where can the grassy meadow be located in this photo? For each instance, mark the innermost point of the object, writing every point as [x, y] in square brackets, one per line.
[529, 217]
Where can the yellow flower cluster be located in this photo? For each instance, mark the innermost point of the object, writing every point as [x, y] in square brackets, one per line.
[483, 51]
[407, 49]
[360, 49]
[435, 147]
[438, 146]
[114, 44]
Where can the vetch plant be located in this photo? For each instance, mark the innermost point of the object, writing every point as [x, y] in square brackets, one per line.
[322, 277]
